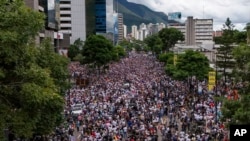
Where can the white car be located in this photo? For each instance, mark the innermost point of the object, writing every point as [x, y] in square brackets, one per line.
[76, 110]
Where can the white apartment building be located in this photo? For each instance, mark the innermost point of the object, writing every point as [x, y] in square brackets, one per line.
[196, 31]
[125, 31]
[134, 33]
[203, 30]
[72, 19]
[161, 26]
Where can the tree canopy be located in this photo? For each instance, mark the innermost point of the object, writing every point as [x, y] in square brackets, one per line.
[238, 111]
[97, 51]
[169, 37]
[154, 43]
[75, 48]
[30, 99]
[191, 63]
[224, 56]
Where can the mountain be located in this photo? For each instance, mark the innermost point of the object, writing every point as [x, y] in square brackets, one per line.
[135, 14]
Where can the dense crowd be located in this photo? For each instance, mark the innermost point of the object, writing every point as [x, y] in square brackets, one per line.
[136, 101]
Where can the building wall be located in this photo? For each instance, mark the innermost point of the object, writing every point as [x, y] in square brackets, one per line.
[190, 31]
[125, 31]
[134, 31]
[78, 20]
[65, 16]
[203, 30]
[120, 27]
[90, 17]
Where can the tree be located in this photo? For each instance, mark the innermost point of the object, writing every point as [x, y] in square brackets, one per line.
[75, 48]
[29, 97]
[241, 54]
[191, 63]
[224, 54]
[169, 37]
[120, 50]
[240, 36]
[154, 43]
[97, 51]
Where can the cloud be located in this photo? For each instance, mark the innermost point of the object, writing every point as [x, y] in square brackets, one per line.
[237, 10]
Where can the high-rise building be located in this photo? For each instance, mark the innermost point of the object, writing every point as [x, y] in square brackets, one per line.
[52, 22]
[120, 27]
[203, 30]
[78, 20]
[190, 31]
[72, 18]
[153, 28]
[105, 18]
[90, 17]
[134, 33]
[125, 31]
[65, 16]
[180, 26]
[161, 26]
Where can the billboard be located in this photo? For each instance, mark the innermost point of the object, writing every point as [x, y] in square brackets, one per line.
[174, 16]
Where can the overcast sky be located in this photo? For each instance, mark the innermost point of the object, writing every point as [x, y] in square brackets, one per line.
[237, 10]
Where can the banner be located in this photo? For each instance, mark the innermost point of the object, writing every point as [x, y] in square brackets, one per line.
[175, 59]
[211, 80]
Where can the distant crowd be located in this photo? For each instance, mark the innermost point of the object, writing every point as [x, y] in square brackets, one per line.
[136, 101]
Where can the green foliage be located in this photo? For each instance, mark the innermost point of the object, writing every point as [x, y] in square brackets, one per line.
[154, 43]
[97, 50]
[29, 76]
[75, 48]
[169, 37]
[241, 54]
[240, 36]
[78, 57]
[191, 63]
[166, 57]
[120, 51]
[224, 55]
[56, 63]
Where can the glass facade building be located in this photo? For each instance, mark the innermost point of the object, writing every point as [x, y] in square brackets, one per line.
[100, 16]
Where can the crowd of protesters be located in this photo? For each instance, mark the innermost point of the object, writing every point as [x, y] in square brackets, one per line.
[136, 101]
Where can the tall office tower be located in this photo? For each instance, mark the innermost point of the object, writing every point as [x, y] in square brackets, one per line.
[65, 16]
[90, 17]
[106, 19]
[78, 20]
[125, 31]
[52, 22]
[153, 29]
[190, 31]
[203, 30]
[72, 18]
[120, 27]
[134, 32]
[180, 26]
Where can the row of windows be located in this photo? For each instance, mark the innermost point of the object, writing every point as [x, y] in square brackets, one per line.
[64, 2]
[65, 28]
[65, 15]
[69, 22]
[65, 8]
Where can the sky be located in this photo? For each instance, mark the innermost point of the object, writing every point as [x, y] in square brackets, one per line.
[219, 10]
